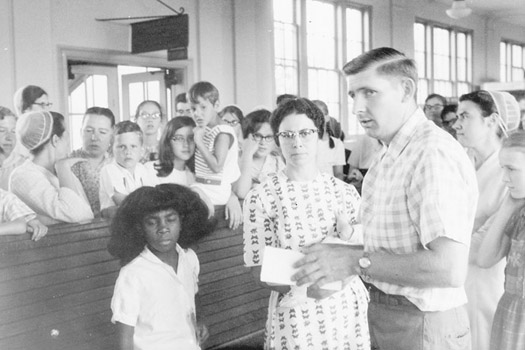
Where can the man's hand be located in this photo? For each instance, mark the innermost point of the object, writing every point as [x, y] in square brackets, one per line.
[324, 263]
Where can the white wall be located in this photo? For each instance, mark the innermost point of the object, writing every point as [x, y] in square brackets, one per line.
[230, 40]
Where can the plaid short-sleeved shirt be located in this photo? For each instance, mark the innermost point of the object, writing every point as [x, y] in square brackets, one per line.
[421, 188]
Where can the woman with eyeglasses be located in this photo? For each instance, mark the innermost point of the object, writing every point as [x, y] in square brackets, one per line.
[26, 99]
[484, 119]
[151, 121]
[176, 162]
[260, 157]
[295, 209]
[233, 116]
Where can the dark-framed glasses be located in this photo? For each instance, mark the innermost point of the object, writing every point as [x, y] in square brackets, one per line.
[145, 115]
[183, 139]
[231, 122]
[267, 138]
[43, 104]
[435, 107]
[304, 134]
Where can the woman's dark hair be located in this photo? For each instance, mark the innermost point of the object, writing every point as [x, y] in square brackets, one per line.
[485, 102]
[297, 106]
[448, 109]
[106, 112]
[30, 94]
[139, 107]
[58, 129]
[236, 111]
[127, 233]
[164, 165]
[254, 120]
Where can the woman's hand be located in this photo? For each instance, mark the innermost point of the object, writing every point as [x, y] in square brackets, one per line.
[249, 147]
[233, 212]
[38, 229]
[202, 333]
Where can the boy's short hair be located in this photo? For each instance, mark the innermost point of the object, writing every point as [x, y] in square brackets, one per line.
[439, 97]
[386, 60]
[128, 126]
[205, 90]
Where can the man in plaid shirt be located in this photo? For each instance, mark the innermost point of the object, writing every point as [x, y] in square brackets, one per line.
[417, 211]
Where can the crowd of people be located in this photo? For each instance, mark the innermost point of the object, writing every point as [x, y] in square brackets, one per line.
[433, 196]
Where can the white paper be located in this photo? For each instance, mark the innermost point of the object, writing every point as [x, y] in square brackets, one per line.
[277, 265]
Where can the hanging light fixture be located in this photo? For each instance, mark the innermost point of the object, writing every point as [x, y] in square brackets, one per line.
[459, 9]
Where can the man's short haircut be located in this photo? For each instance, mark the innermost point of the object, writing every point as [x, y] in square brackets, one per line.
[6, 112]
[181, 98]
[386, 60]
[106, 112]
[438, 96]
[128, 126]
[205, 90]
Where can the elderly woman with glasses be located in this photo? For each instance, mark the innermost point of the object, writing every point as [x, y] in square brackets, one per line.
[260, 157]
[151, 121]
[291, 210]
[484, 119]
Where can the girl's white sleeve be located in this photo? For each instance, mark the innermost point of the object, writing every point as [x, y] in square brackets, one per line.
[125, 303]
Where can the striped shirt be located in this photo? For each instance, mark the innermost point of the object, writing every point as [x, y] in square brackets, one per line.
[422, 187]
[217, 186]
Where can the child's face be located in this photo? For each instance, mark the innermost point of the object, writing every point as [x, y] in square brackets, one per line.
[149, 119]
[127, 149]
[512, 161]
[162, 230]
[182, 143]
[204, 111]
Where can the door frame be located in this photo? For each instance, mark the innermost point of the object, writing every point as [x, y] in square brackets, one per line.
[66, 53]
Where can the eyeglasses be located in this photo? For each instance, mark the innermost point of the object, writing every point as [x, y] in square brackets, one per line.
[43, 104]
[152, 115]
[231, 122]
[181, 139]
[289, 136]
[433, 107]
[258, 137]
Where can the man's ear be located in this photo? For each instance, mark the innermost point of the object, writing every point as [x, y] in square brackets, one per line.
[492, 119]
[409, 89]
[216, 105]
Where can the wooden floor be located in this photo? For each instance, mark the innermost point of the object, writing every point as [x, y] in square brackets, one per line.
[55, 294]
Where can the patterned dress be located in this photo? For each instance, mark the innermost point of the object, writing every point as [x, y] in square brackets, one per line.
[508, 329]
[291, 215]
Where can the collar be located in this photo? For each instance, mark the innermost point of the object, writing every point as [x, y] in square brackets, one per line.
[148, 255]
[405, 133]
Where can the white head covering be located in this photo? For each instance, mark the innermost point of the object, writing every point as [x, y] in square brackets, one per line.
[508, 111]
[34, 128]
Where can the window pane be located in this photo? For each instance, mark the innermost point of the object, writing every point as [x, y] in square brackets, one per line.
[320, 34]
[354, 33]
[283, 11]
[100, 90]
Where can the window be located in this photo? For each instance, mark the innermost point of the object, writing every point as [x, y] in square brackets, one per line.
[512, 61]
[309, 58]
[444, 59]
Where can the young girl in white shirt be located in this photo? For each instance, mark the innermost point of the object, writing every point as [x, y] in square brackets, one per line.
[176, 161]
[154, 298]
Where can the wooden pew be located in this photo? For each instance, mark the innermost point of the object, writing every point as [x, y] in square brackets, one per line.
[55, 294]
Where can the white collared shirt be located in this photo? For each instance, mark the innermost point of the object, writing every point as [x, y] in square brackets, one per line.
[115, 178]
[157, 301]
